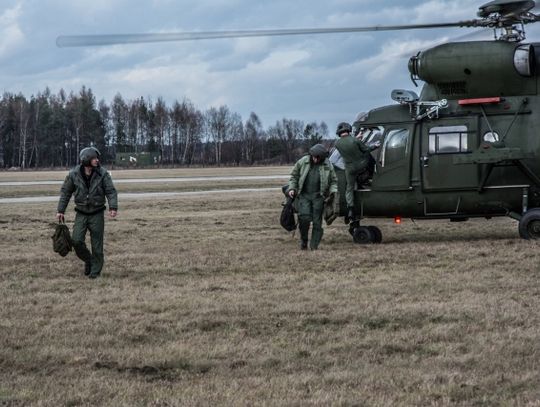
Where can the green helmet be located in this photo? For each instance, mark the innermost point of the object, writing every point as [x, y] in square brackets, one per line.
[88, 154]
[343, 127]
[318, 150]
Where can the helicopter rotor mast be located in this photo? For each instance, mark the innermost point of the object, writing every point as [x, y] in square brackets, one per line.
[503, 16]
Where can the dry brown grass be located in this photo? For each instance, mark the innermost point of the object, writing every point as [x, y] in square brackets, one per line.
[205, 300]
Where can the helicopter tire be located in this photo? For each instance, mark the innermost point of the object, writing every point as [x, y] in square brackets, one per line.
[352, 226]
[529, 225]
[362, 235]
[377, 234]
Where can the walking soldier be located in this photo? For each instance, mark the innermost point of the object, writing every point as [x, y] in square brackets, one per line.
[90, 184]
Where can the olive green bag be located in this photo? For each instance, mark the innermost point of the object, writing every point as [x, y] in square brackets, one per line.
[61, 238]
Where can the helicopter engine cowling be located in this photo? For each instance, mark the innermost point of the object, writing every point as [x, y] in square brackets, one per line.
[478, 69]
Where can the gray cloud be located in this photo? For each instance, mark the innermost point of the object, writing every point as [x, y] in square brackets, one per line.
[327, 78]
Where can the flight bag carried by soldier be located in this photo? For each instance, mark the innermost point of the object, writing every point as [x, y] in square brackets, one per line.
[62, 239]
[287, 219]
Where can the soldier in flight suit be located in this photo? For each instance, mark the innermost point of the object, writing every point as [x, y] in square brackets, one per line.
[313, 181]
[90, 184]
[356, 155]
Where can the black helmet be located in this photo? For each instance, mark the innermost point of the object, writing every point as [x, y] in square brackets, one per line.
[343, 128]
[318, 150]
[88, 154]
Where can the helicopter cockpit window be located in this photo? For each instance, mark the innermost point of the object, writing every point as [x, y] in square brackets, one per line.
[491, 137]
[448, 139]
[373, 134]
[395, 146]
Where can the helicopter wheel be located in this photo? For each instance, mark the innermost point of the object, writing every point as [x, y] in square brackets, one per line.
[362, 235]
[353, 226]
[529, 225]
[377, 234]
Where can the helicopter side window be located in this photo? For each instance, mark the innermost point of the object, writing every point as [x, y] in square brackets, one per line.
[448, 139]
[395, 146]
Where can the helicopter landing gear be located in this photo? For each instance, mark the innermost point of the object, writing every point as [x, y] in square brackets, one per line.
[362, 235]
[365, 234]
[529, 225]
[377, 234]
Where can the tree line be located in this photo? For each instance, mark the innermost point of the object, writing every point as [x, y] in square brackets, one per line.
[48, 130]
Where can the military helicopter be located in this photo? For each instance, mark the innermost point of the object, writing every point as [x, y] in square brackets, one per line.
[467, 147]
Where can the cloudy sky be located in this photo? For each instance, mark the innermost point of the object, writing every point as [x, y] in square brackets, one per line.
[323, 78]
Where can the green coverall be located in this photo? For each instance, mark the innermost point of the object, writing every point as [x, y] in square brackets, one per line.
[313, 183]
[89, 196]
[355, 155]
[310, 208]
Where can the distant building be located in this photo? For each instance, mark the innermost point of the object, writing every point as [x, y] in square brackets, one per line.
[145, 159]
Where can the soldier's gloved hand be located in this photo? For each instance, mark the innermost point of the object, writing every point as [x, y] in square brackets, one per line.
[330, 198]
[60, 217]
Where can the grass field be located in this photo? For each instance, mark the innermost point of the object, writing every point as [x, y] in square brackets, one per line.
[204, 300]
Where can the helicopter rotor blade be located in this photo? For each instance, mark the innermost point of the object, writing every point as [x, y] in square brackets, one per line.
[114, 39]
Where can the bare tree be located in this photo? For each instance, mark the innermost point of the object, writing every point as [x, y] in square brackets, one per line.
[288, 132]
[23, 118]
[161, 121]
[218, 126]
[314, 133]
[186, 128]
[253, 133]
[120, 117]
[236, 129]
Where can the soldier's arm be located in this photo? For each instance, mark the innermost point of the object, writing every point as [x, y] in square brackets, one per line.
[295, 177]
[362, 146]
[65, 194]
[110, 192]
[333, 180]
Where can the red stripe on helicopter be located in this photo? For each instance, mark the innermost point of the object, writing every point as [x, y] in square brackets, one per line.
[479, 101]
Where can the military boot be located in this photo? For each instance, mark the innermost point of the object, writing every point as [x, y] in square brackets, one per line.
[87, 268]
[93, 275]
[351, 215]
[303, 244]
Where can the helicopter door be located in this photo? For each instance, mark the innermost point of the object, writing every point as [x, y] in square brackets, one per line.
[394, 159]
[442, 141]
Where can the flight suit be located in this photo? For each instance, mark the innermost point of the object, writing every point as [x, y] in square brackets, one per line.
[356, 155]
[313, 183]
[89, 196]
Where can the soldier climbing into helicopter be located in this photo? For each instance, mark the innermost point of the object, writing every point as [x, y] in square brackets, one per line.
[356, 157]
[313, 183]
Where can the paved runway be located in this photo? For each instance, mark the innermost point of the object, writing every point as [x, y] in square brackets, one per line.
[142, 195]
[156, 180]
